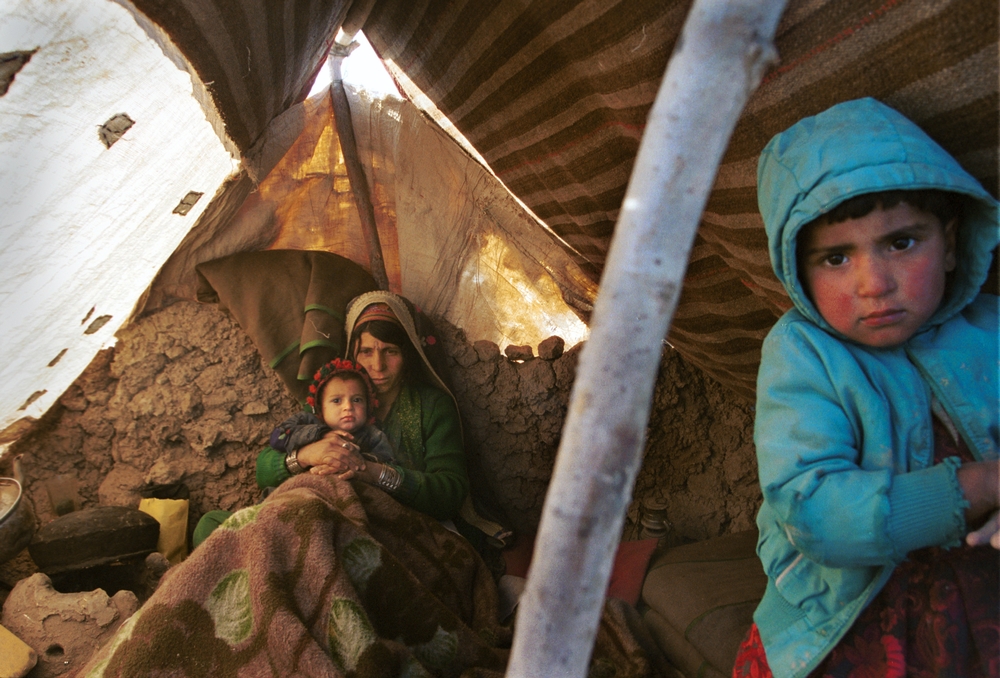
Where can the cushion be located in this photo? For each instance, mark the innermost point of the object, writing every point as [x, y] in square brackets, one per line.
[700, 599]
[679, 652]
[627, 573]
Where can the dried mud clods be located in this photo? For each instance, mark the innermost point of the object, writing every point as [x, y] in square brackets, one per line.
[513, 403]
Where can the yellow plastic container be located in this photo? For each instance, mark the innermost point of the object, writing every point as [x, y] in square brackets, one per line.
[16, 658]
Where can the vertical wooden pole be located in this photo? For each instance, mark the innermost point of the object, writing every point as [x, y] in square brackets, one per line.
[719, 60]
[355, 172]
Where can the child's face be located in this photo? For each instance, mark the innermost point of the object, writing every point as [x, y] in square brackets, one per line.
[879, 278]
[345, 407]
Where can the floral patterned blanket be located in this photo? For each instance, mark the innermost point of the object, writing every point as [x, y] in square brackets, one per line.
[330, 578]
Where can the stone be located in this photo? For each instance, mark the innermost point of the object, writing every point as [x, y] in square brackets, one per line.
[519, 352]
[74, 399]
[155, 566]
[487, 350]
[165, 472]
[255, 407]
[551, 348]
[121, 486]
[175, 352]
[64, 629]
[465, 355]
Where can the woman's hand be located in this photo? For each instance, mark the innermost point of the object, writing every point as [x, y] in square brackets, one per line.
[335, 453]
[369, 474]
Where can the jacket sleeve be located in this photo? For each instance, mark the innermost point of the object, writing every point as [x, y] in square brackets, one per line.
[828, 461]
[271, 469]
[375, 444]
[440, 487]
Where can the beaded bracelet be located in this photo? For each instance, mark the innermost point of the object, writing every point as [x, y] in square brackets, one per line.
[292, 463]
[390, 479]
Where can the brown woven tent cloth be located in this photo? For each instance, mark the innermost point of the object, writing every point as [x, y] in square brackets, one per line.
[555, 94]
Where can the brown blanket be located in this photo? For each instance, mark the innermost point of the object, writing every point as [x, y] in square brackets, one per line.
[330, 578]
[291, 303]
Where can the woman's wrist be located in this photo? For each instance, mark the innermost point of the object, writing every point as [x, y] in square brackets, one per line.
[292, 463]
[385, 477]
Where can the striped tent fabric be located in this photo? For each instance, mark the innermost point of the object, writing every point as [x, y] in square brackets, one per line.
[255, 57]
[554, 95]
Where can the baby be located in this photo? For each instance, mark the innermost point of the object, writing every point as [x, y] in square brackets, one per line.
[344, 397]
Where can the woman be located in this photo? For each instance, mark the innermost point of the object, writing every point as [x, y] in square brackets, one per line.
[329, 578]
[415, 410]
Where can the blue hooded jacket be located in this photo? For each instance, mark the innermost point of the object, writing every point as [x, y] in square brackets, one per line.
[843, 431]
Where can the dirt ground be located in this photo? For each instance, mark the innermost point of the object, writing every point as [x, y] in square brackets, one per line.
[184, 398]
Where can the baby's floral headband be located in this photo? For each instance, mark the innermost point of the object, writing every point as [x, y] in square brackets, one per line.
[338, 367]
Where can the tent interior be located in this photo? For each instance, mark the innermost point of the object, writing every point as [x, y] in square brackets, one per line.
[143, 139]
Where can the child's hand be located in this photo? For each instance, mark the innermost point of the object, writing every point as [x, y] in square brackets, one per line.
[980, 481]
[333, 470]
[987, 534]
[329, 470]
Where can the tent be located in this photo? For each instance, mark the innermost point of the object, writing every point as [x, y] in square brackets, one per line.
[552, 96]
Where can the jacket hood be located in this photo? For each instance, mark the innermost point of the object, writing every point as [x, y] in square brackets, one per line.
[858, 147]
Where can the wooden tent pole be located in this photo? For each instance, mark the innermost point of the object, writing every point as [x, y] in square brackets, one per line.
[355, 172]
[719, 60]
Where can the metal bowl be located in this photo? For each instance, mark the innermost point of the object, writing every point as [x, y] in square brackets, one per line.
[17, 519]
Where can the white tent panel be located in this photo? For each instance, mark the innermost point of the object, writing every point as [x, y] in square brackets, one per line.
[84, 228]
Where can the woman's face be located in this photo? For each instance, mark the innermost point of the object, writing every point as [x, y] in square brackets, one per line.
[384, 364]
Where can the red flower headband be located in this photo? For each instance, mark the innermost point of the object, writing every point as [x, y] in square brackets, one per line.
[339, 367]
[382, 311]
[377, 311]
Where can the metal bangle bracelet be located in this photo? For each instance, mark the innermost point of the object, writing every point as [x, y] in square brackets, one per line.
[390, 478]
[292, 463]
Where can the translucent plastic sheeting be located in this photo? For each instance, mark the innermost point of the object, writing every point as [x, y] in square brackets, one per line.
[453, 239]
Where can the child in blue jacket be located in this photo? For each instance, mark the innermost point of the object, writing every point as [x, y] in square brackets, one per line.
[877, 426]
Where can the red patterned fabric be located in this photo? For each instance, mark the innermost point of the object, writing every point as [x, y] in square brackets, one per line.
[938, 615]
[751, 662]
[627, 573]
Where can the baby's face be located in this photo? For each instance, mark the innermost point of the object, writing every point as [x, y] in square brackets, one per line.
[879, 278]
[345, 407]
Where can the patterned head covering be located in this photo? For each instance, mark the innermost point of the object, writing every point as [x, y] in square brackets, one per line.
[378, 311]
[340, 367]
